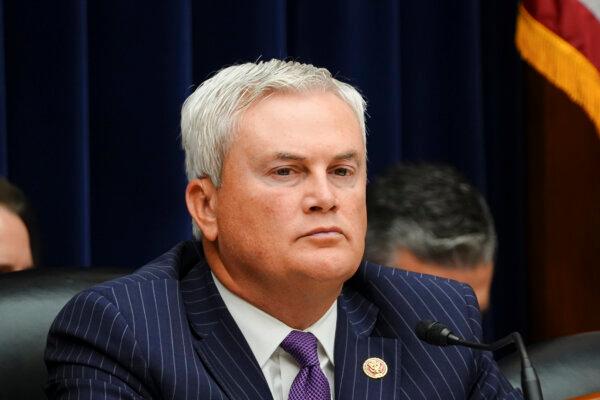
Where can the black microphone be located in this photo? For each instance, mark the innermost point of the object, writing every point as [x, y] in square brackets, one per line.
[438, 334]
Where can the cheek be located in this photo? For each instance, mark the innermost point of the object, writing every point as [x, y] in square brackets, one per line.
[280, 205]
[257, 214]
[275, 217]
[358, 213]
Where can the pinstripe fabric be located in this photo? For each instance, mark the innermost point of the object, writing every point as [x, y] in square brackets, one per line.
[416, 370]
[164, 333]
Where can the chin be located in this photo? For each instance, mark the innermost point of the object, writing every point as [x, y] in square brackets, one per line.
[324, 267]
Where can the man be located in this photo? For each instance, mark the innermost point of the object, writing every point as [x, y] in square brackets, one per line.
[16, 229]
[429, 219]
[274, 303]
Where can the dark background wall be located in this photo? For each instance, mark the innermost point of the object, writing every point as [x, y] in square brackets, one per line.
[90, 93]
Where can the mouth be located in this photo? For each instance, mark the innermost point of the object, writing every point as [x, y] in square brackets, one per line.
[329, 231]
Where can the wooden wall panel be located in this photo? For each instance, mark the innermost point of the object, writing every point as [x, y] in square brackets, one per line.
[564, 212]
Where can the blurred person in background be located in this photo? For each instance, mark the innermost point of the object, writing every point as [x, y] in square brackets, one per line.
[429, 219]
[17, 237]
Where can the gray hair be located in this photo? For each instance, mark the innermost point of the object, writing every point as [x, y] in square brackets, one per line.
[210, 115]
[433, 212]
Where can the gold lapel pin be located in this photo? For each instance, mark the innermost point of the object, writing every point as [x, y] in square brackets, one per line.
[375, 368]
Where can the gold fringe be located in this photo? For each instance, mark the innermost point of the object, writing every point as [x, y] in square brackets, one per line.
[561, 63]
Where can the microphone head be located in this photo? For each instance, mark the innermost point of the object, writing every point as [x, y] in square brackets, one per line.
[433, 332]
[422, 328]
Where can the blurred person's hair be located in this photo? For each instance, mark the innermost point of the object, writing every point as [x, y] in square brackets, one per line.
[13, 199]
[209, 117]
[431, 211]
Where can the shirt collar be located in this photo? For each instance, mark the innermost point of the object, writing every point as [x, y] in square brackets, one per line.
[264, 333]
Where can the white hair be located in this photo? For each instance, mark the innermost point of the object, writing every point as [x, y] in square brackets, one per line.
[210, 115]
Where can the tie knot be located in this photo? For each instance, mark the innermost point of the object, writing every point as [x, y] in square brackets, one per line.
[303, 347]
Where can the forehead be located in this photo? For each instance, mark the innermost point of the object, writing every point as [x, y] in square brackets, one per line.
[285, 120]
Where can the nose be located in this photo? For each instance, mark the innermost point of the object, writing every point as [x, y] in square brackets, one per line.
[320, 195]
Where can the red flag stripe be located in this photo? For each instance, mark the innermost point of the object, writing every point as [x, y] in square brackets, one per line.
[572, 21]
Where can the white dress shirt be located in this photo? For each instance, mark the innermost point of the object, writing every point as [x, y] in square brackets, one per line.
[265, 333]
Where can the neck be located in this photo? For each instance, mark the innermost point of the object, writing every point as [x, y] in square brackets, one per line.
[298, 303]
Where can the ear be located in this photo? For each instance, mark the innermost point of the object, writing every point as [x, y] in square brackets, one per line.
[201, 199]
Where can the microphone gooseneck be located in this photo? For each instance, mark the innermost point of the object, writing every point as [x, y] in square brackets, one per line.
[438, 334]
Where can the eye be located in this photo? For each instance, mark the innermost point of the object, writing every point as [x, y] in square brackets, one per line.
[283, 171]
[286, 174]
[341, 171]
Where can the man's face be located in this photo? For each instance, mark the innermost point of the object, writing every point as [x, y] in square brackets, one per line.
[479, 277]
[15, 251]
[291, 205]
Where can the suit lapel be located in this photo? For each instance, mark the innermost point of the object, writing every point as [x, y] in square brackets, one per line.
[354, 345]
[219, 342]
[226, 354]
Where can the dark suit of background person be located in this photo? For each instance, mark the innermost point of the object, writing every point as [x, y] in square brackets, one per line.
[297, 161]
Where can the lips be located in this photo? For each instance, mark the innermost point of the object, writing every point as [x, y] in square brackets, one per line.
[324, 231]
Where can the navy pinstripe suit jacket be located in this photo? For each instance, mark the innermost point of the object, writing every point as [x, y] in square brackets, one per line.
[164, 333]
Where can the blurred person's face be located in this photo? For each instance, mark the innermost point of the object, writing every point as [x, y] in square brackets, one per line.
[479, 277]
[291, 207]
[15, 249]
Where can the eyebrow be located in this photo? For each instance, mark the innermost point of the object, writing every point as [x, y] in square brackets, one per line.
[349, 155]
[288, 156]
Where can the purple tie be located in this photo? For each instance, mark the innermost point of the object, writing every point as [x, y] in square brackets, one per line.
[310, 383]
